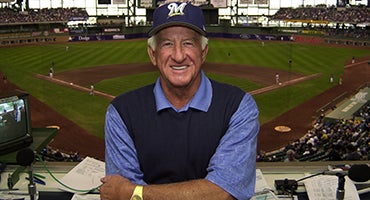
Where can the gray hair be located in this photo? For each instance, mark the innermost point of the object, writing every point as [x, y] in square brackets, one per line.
[152, 42]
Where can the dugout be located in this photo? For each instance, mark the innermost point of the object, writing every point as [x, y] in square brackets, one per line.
[348, 109]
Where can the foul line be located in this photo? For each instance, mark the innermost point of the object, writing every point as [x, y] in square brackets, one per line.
[283, 84]
[356, 63]
[73, 85]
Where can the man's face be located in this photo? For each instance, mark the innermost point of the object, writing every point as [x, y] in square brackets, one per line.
[179, 57]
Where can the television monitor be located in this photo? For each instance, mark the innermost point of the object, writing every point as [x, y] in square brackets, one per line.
[15, 121]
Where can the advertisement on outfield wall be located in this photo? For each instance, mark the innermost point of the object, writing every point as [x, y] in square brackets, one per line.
[261, 37]
[86, 38]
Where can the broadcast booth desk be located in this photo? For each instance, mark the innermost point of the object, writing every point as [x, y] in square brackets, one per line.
[271, 171]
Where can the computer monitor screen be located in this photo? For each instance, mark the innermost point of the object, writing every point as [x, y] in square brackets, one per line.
[15, 121]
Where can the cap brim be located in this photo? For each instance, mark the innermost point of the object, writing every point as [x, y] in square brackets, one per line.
[175, 23]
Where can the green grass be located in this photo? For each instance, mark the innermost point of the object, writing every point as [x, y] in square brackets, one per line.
[239, 82]
[276, 102]
[20, 64]
[116, 86]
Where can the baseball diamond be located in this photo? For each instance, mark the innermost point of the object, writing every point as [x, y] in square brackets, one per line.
[73, 138]
[294, 67]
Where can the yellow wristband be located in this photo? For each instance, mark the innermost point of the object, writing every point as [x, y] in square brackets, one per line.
[138, 193]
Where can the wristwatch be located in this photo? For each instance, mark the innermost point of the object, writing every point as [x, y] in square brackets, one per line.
[138, 193]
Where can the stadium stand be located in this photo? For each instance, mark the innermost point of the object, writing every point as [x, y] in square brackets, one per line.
[8, 15]
[353, 15]
[333, 25]
[349, 22]
[330, 140]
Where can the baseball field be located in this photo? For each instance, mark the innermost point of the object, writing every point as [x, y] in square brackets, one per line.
[120, 66]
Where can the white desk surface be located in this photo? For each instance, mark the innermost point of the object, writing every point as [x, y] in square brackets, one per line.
[271, 171]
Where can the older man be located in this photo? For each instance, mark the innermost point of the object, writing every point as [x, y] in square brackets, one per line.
[185, 136]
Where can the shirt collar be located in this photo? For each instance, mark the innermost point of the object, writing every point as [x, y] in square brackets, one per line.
[201, 100]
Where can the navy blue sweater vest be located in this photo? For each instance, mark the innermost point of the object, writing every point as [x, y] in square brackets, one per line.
[171, 146]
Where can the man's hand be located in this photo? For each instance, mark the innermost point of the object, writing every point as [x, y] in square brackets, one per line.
[116, 187]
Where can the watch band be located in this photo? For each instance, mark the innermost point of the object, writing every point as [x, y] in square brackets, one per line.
[138, 193]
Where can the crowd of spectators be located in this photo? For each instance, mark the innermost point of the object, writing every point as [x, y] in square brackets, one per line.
[8, 15]
[329, 141]
[349, 22]
[352, 15]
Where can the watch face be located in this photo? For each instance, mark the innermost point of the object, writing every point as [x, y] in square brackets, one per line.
[136, 197]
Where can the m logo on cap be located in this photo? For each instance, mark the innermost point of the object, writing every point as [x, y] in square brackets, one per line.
[178, 14]
[176, 9]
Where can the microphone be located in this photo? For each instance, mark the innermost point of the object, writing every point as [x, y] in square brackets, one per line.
[357, 173]
[25, 157]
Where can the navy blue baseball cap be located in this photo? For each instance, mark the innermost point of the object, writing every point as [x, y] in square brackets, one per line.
[178, 14]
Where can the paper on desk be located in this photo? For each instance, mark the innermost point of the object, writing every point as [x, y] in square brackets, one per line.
[262, 190]
[261, 184]
[324, 187]
[84, 177]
